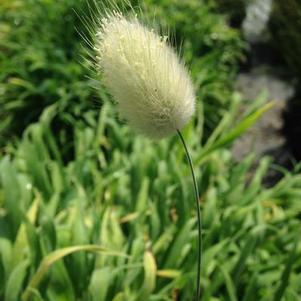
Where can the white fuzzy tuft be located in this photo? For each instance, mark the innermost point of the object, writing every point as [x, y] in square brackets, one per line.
[145, 76]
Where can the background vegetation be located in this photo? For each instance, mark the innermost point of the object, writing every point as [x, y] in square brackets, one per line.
[72, 175]
[285, 27]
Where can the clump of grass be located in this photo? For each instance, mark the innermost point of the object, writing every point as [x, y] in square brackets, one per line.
[249, 231]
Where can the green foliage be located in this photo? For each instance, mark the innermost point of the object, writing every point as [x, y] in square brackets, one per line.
[133, 196]
[41, 60]
[79, 181]
[286, 32]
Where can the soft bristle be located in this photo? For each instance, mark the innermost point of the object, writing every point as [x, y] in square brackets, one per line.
[145, 76]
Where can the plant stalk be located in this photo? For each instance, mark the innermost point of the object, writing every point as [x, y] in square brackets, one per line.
[199, 221]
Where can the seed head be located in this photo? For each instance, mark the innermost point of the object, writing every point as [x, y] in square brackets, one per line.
[145, 76]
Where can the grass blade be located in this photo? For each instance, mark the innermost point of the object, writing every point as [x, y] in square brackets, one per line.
[50, 259]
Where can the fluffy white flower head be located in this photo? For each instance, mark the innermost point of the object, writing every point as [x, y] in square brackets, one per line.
[145, 76]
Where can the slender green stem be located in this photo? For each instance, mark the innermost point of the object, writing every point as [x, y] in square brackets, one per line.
[199, 244]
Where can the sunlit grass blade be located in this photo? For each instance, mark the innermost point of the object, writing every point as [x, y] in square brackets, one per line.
[231, 135]
[51, 258]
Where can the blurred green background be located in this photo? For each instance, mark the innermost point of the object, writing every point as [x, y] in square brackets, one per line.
[73, 175]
